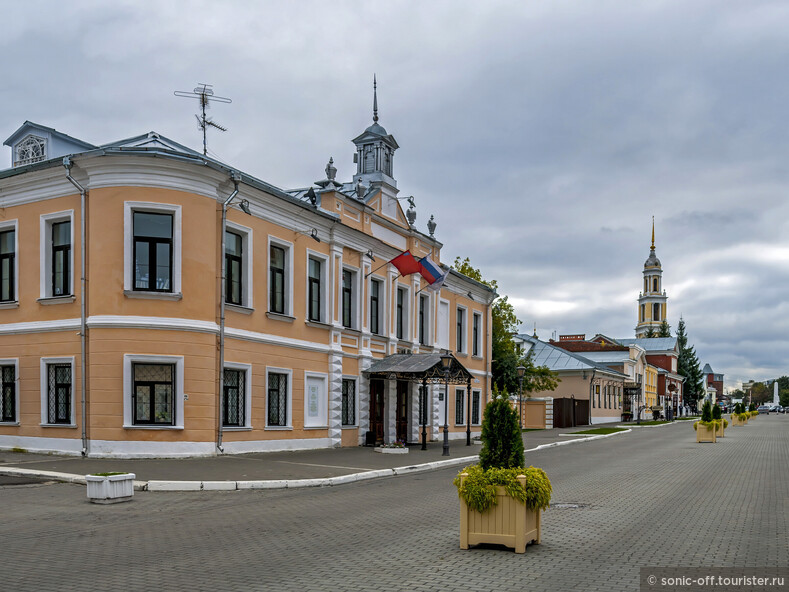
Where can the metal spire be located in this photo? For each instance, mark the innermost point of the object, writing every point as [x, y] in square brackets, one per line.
[375, 100]
[653, 233]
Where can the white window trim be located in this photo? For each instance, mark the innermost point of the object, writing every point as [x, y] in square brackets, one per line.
[355, 297]
[476, 315]
[9, 225]
[247, 299]
[15, 363]
[288, 247]
[355, 380]
[382, 332]
[178, 395]
[289, 413]
[44, 377]
[324, 312]
[478, 392]
[129, 207]
[247, 370]
[448, 345]
[45, 252]
[464, 337]
[324, 378]
[463, 410]
[406, 311]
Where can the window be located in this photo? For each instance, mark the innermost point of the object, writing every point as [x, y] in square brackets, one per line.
[348, 402]
[460, 407]
[375, 307]
[475, 336]
[475, 401]
[654, 284]
[400, 314]
[597, 392]
[348, 279]
[233, 267]
[656, 311]
[8, 393]
[424, 319]
[277, 279]
[153, 392]
[277, 400]
[31, 149]
[460, 330]
[605, 397]
[643, 313]
[314, 290]
[57, 256]
[153, 251]
[8, 265]
[58, 393]
[234, 398]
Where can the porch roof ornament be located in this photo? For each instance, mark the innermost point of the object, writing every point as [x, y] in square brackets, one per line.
[419, 367]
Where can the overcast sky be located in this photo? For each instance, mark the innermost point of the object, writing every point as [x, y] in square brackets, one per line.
[543, 136]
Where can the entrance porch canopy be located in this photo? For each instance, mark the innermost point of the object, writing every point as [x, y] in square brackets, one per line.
[418, 367]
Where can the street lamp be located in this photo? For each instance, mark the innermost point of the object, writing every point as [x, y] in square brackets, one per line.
[446, 362]
[521, 372]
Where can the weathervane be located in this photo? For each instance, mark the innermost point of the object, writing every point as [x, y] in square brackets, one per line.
[204, 94]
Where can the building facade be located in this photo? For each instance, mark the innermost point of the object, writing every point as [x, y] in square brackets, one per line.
[131, 325]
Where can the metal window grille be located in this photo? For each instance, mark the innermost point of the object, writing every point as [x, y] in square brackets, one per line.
[234, 401]
[277, 399]
[152, 394]
[459, 408]
[348, 402]
[8, 394]
[475, 407]
[59, 393]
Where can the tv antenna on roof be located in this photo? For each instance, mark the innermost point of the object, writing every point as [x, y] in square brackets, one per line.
[205, 95]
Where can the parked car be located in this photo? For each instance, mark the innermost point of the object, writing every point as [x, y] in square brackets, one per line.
[763, 409]
[776, 409]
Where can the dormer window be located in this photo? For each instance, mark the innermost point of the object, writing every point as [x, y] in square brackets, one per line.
[31, 149]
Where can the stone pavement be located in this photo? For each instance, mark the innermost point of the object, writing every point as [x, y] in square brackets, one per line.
[268, 466]
[652, 497]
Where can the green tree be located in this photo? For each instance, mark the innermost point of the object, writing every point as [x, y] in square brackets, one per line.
[650, 333]
[665, 329]
[706, 411]
[502, 442]
[783, 391]
[688, 366]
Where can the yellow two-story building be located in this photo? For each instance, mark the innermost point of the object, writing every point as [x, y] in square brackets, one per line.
[155, 302]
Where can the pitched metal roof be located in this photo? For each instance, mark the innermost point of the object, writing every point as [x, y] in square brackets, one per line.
[557, 359]
[649, 344]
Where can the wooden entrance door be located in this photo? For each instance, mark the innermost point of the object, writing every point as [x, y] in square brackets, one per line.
[377, 410]
[402, 410]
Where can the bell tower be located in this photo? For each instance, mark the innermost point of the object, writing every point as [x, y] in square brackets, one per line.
[652, 299]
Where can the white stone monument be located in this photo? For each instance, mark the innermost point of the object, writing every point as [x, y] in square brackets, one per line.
[775, 393]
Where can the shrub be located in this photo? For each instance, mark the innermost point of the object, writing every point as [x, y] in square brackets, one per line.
[479, 488]
[502, 442]
[706, 412]
[716, 412]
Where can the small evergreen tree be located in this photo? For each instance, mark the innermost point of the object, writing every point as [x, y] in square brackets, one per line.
[502, 442]
[665, 329]
[716, 412]
[706, 411]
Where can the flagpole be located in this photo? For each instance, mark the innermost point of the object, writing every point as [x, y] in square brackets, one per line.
[376, 269]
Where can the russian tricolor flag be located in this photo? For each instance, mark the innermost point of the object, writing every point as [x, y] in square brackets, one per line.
[432, 273]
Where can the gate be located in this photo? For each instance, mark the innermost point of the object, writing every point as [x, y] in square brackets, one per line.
[570, 412]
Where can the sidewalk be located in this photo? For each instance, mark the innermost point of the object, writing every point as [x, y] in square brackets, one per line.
[268, 470]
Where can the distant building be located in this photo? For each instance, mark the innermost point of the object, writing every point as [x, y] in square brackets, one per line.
[713, 383]
[652, 300]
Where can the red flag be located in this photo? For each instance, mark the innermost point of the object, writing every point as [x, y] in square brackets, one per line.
[405, 263]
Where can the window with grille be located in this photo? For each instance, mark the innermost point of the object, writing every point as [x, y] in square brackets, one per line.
[8, 393]
[277, 399]
[459, 406]
[347, 298]
[153, 252]
[7, 256]
[348, 402]
[277, 279]
[152, 394]
[234, 399]
[233, 268]
[61, 258]
[314, 291]
[31, 149]
[475, 400]
[59, 393]
[375, 307]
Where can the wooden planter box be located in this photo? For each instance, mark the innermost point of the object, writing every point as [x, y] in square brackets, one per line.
[735, 421]
[720, 430]
[704, 435]
[110, 489]
[509, 523]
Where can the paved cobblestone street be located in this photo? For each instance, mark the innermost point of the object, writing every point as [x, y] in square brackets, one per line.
[649, 498]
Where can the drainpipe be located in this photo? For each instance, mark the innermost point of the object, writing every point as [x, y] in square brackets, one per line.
[591, 395]
[83, 311]
[236, 177]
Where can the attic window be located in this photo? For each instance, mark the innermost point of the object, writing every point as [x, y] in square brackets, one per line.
[31, 149]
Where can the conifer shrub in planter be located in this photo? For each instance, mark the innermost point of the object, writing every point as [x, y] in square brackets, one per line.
[706, 428]
[110, 488]
[721, 424]
[500, 499]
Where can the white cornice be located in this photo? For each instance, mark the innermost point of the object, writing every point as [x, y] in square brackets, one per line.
[39, 326]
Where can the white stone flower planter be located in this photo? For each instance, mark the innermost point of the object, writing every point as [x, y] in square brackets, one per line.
[383, 450]
[110, 489]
